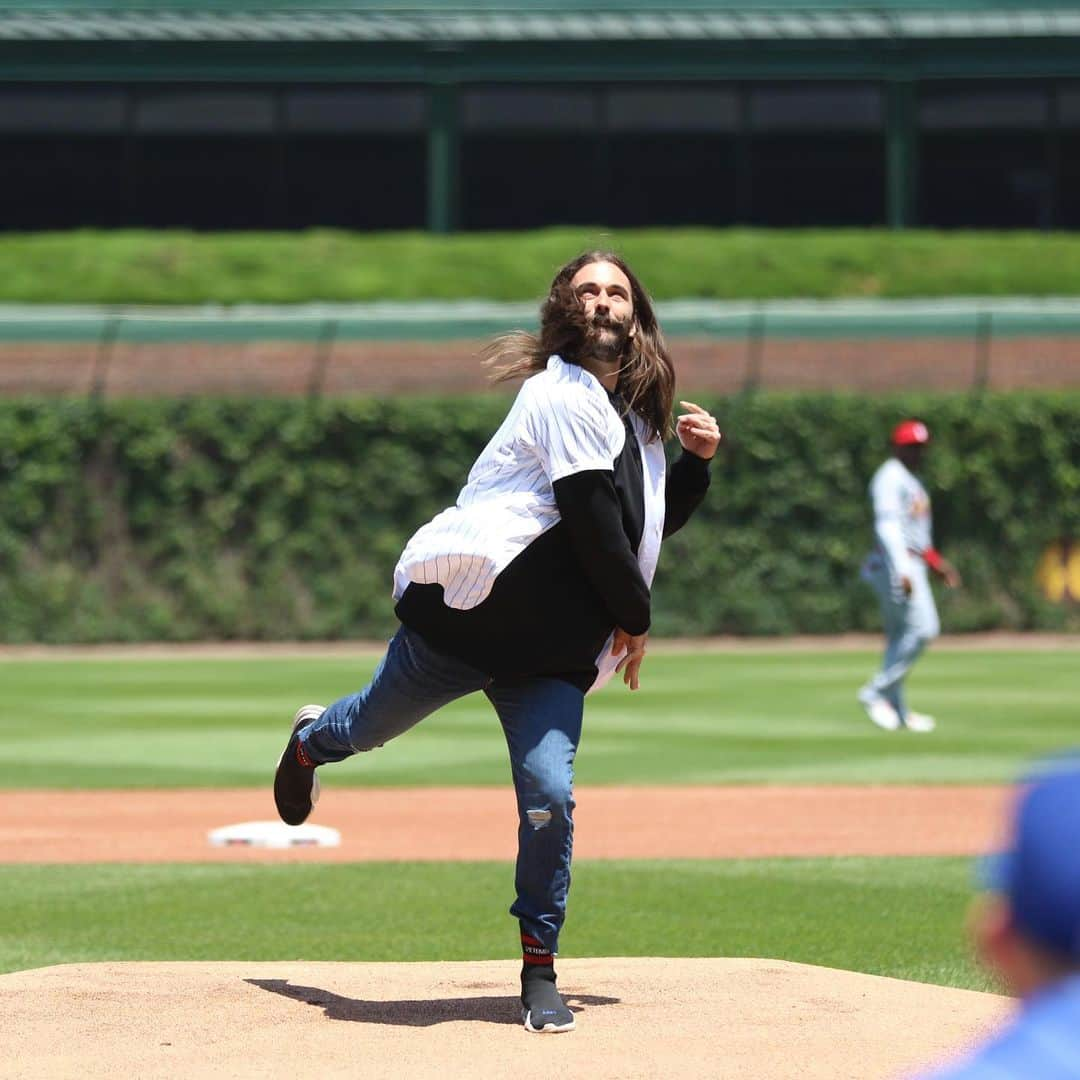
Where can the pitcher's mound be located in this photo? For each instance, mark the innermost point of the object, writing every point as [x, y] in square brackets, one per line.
[636, 1018]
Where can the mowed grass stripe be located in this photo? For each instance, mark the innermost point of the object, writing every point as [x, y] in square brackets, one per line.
[700, 718]
[896, 917]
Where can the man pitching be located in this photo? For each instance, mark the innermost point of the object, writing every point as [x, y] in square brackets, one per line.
[897, 571]
[534, 587]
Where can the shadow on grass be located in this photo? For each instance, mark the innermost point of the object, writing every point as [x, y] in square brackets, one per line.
[489, 1010]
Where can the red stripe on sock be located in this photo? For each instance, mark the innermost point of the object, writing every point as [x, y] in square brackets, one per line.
[534, 953]
[301, 756]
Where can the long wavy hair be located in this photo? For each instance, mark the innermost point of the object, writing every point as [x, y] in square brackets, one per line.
[646, 375]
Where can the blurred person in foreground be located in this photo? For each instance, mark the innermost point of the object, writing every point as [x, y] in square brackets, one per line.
[1026, 930]
[897, 571]
[535, 586]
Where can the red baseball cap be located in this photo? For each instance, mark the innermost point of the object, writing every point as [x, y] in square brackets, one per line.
[910, 433]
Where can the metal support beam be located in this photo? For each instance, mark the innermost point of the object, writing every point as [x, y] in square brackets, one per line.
[443, 213]
[901, 154]
[744, 186]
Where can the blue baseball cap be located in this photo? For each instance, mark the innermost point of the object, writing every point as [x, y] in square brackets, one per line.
[1040, 873]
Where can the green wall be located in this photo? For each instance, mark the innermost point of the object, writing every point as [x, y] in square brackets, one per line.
[282, 519]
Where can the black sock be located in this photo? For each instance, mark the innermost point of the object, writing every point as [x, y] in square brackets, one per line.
[542, 1004]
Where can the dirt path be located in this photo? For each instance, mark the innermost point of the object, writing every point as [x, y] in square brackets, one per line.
[480, 823]
[705, 365]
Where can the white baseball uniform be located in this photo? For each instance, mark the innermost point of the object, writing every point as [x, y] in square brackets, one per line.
[903, 530]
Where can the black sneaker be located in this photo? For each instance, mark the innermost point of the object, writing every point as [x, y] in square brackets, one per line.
[296, 787]
[542, 1006]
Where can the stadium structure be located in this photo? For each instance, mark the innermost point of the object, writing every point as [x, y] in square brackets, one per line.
[213, 114]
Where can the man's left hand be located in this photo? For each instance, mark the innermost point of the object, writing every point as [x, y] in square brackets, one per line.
[698, 431]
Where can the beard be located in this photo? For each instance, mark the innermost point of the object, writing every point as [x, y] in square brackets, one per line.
[606, 338]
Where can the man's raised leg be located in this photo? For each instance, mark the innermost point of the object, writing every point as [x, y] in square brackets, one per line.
[411, 682]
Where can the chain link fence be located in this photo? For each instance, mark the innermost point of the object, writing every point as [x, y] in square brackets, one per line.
[388, 348]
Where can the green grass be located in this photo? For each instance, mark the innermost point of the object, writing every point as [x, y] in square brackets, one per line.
[702, 718]
[184, 268]
[783, 717]
[897, 917]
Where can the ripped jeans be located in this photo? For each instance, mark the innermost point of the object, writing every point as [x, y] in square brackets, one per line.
[541, 718]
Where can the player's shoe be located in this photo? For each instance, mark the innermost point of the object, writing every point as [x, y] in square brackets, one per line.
[880, 712]
[296, 787]
[917, 721]
[542, 1007]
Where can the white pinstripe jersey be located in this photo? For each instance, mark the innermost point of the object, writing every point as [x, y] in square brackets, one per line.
[561, 423]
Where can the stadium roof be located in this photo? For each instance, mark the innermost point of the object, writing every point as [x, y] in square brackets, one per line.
[432, 22]
[444, 42]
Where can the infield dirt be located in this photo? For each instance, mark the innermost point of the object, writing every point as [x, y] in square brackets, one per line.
[610, 823]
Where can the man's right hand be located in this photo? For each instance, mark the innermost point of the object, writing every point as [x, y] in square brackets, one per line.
[634, 644]
[949, 575]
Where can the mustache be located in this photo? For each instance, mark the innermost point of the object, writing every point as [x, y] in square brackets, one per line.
[607, 337]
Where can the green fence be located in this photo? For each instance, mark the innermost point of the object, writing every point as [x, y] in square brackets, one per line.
[957, 317]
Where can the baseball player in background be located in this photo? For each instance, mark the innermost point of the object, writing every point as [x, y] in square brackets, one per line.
[535, 586]
[897, 571]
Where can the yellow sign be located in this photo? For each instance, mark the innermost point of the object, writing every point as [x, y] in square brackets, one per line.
[1058, 572]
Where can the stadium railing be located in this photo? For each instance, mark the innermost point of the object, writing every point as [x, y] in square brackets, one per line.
[953, 344]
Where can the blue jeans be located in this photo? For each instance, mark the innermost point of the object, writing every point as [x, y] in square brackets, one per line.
[541, 718]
